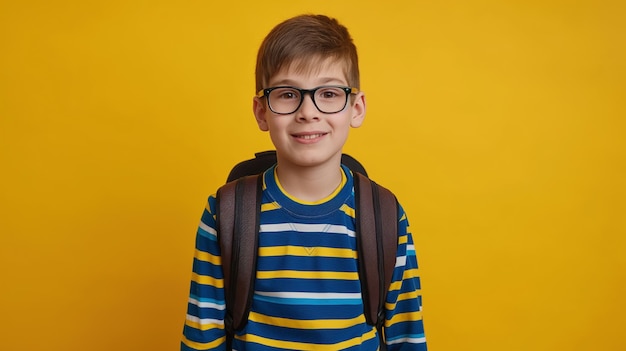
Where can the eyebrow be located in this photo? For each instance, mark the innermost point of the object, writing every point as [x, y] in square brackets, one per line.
[323, 81]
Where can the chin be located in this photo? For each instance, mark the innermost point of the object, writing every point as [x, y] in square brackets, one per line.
[314, 160]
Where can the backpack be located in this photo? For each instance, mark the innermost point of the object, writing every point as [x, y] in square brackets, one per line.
[237, 216]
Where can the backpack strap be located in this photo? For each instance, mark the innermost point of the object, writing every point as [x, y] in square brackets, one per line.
[377, 244]
[237, 203]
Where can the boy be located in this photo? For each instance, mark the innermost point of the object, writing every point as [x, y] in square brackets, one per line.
[307, 294]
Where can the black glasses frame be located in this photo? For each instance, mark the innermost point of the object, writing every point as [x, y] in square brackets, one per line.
[266, 93]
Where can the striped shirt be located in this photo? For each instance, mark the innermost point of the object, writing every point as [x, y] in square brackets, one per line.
[307, 291]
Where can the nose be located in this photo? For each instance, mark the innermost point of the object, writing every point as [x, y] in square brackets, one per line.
[308, 110]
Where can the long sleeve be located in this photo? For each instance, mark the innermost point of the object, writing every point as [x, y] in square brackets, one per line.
[404, 328]
[204, 326]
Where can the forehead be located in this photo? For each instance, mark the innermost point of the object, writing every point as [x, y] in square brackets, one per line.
[313, 70]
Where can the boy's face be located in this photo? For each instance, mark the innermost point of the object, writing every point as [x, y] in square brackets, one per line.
[308, 137]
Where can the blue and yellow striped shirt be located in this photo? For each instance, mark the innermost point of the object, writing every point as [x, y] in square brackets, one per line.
[307, 290]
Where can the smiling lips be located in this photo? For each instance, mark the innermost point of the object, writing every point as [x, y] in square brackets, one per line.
[311, 136]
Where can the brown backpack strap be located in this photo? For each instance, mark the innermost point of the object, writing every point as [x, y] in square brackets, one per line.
[377, 242]
[238, 211]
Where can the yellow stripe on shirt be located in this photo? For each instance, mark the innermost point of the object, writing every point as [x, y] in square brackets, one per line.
[207, 280]
[310, 324]
[306, 251]
[404, 317]
[270, 206]
[308, 275]
[203, 346]
[288, 345]
[207, 257]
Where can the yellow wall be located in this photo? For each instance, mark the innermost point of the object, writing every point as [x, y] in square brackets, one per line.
[499, 124]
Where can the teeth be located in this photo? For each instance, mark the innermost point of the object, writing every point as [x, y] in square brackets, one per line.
[310, 136]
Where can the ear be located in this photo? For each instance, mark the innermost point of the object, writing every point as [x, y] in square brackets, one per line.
[358, 110]
[259, 108]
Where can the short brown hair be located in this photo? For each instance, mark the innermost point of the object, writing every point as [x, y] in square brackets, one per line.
[306, 40]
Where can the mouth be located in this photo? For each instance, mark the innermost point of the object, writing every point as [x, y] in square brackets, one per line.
[308, 136]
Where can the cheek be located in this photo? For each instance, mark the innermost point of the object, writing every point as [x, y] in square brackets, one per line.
[276, 130]
[344, 124]
[342, 130]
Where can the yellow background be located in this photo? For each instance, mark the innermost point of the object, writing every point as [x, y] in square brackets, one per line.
[499, 124]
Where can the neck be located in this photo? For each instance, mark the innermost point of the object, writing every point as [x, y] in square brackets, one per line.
[309, 183]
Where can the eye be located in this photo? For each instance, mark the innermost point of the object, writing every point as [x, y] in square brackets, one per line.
[286, 94]
[330, 93]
